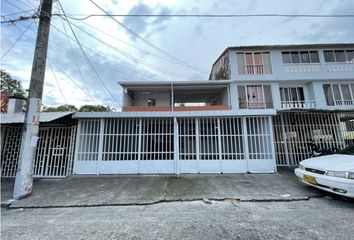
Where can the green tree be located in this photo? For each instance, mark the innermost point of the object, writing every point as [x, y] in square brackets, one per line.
[95, 108]
[61, 108]
[11, 86]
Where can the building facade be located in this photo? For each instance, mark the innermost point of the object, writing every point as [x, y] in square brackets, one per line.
[260, 108]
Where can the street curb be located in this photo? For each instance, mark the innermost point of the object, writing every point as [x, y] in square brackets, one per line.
[204, 200]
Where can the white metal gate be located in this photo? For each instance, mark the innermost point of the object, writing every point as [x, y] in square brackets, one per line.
[125, 145]
[54, 153]
[293, 132]
[174, 145]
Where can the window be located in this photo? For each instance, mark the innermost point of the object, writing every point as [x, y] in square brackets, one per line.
[255, 96]
[339, 56]
[292, 94]
[339, 94]
[151, 102]
[295, 57]
[254, 63]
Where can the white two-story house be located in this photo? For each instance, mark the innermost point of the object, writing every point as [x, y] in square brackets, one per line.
[260, 108]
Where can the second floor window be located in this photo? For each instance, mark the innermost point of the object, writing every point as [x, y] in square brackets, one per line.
[254, 63]
[339, 56]
[255, 96]
[302, 57]
[292, 94]
[339, 94]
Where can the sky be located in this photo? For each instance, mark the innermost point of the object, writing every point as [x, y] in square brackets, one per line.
[153, 48]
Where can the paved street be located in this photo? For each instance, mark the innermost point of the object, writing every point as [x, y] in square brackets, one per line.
[309, 219]
[238, 206]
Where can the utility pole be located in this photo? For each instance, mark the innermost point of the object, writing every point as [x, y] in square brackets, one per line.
[24, 174]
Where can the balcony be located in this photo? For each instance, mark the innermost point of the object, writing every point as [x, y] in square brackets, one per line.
[286, 105]
[176, 108]
[255, 105]
[340, 67]
[301, 68]
[344, 102]
[176, 96]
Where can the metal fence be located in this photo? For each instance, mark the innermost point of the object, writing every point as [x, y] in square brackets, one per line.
[54, 154]
[294, 131]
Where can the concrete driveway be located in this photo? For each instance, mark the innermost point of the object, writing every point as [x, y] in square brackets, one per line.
[142, 190]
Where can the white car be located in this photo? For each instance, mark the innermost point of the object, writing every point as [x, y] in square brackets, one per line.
[333, 173]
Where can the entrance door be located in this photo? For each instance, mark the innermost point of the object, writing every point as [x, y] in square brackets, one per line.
[211, 145]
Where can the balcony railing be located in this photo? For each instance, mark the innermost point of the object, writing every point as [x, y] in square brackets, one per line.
[253, 105]
[178, 108]
[340, 67]
[299, 68]
[258, 69]
[344, 102]
[298, 104]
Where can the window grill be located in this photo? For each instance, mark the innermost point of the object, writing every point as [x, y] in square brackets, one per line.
[187, 139]
[88, 137]
[232, 146]
[259, 138]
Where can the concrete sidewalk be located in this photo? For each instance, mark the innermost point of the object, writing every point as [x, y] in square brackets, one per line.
[140, 190]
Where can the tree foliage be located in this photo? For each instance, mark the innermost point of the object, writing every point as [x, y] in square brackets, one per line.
[72, 108]
[95, 108]
[11, 86]
[62, 108]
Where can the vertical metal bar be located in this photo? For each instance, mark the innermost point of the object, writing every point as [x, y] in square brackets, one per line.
[176, 151]
[246, 147]
[219, 143]
[100, 145]
[197, 142]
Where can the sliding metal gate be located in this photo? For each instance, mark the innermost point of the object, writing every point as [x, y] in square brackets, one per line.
[174, 145]
[294, 131]
[53, 156]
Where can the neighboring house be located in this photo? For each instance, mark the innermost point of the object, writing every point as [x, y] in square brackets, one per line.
[55, 145]
[260, 108]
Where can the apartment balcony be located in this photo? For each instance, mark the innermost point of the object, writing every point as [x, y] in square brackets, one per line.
[344, 102]
[301, 68]
[176, 108]
[287, 105]
[340, 67]
[255, 105]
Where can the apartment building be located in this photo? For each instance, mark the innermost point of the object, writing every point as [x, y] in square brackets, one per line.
[259, 109]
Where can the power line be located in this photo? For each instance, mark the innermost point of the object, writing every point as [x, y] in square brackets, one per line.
[88, 60]
[62, 94]
[63, 72]
[213, 15]
[144, 40]
[18, 39]
[131, 45]
[77, 65]
[157, 68]
[95, 53]
[16, 13]
[66, 75]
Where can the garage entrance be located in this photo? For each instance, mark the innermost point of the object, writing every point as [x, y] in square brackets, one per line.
[174, 145]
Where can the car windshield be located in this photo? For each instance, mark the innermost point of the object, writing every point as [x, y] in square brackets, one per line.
[348, 150]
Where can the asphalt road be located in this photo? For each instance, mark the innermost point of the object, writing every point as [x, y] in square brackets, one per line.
[316, 218]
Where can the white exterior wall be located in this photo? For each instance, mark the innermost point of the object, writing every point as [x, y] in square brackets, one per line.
[162, 99]
[312, 82]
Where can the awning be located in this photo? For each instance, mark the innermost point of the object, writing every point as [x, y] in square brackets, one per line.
[43, 117]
